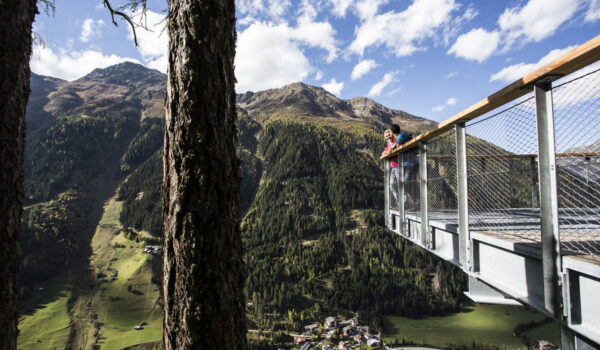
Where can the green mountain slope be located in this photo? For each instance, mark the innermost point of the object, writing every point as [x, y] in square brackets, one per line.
[311, 210]
[89, 135]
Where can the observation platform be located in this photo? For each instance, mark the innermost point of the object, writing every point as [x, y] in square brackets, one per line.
[579, 228]
[508, 190]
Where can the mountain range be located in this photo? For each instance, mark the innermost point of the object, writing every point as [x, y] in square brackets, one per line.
[311, 217]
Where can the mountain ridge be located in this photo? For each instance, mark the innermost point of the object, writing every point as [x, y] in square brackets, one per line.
[129, 82]
[303, 98]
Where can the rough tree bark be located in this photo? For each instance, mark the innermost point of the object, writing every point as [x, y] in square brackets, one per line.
[202, 265]
[16, 18]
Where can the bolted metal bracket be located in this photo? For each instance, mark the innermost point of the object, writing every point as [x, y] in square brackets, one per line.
[405, 231]
[470, 255]
[430, 242]
[565, 285]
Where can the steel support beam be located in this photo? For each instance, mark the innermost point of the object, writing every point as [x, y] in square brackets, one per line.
[425, 235]
[551, 264]
[464, 239]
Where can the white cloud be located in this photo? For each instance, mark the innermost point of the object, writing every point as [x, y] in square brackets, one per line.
[451, 74]
[91, 29]
[278, 62]
[280, 59]
[452, 27]
[363, 67]
[316, 34]
[154, 42]
[438, 108]
[368, 8]
[245, 21]
[383, 83]
[593, 13]
[535, 21]
[307, 32]
[307, 11]
[71, 65]
[340, 7]
[476, 45]
[318, 75]
[517, 71]
[450, 102]
[334, 87]
[278, 8]
[274, 9]
[401, 32]
[393, 92]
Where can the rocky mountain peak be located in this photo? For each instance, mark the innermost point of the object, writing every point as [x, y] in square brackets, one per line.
[297, 98]
[111, 91]
[302, 99]
[367, 108]
[126, 73]
[363, 106]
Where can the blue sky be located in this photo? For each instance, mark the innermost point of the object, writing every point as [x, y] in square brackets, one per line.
[431, 58]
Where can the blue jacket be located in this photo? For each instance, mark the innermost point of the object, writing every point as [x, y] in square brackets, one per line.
[410, 158]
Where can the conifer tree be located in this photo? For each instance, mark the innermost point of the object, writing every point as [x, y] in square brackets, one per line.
[16, 18]
[202, 265]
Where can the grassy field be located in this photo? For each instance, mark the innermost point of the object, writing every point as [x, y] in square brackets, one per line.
[490, 324]
[129, 298]
[99, 305]
[47, 327]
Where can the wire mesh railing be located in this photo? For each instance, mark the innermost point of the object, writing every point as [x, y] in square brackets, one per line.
[577, 133]
[412, 188]
[503, 175]
[501, 170]
[442, 194]
[516, 177]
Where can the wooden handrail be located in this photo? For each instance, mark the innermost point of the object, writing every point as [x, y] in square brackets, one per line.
[580, 57]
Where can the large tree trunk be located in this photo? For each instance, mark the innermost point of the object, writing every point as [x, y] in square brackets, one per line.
[202, 264]
[16, 18]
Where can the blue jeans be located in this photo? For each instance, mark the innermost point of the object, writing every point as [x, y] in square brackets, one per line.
[394, 184]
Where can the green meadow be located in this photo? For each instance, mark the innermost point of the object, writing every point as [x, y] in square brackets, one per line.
[48, 326]
[98, 306]
[482, 323]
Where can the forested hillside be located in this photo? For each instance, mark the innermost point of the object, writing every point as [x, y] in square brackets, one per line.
[311, 197]
[314, 237]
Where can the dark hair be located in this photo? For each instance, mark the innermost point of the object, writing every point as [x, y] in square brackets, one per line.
[395, 128]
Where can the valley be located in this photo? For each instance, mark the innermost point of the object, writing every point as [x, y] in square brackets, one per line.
[311, 215]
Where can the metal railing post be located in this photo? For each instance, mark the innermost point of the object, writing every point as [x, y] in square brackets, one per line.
[401, 195]
[386, 192]
[425, 239]
[551, 264]
[534, 184]
[464, 238]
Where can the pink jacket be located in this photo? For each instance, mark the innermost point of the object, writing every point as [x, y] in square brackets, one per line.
[393, 162]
